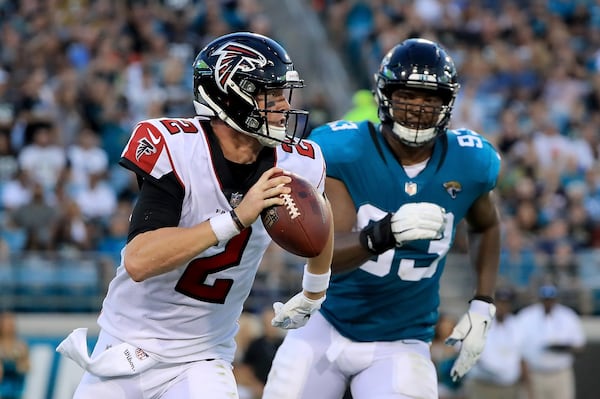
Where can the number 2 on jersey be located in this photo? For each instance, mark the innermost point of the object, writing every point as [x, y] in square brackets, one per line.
[193, 280]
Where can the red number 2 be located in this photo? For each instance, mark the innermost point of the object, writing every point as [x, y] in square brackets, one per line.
[192, 281]
[303, 148]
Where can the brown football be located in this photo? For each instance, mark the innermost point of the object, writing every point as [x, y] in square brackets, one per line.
[301, 226]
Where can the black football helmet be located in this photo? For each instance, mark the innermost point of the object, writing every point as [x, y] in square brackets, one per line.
[230, 73]
[419, 65]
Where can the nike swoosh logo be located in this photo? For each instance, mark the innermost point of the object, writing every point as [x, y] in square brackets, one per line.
[155, 140]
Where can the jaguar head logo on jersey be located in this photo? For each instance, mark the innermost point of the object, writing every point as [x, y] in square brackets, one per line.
[453, 187]
[145, 147]
[233, 57]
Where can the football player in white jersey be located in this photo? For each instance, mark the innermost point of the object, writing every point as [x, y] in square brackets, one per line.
[195, 240]
[398, 190]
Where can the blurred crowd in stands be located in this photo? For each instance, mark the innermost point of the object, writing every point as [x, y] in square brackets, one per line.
[76, 75]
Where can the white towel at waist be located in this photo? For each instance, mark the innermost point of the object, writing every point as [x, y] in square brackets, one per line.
[117, 361]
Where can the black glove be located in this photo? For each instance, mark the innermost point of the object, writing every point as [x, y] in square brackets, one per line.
[377, 237]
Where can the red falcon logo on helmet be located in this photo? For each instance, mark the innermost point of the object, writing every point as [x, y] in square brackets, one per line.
[233, 57]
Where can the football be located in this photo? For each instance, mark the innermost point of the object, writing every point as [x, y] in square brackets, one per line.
[301, 226]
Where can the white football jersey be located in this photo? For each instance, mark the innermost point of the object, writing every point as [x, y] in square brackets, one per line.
[191, 313]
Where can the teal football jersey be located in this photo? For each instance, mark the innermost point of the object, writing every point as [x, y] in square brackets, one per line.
[395, 295]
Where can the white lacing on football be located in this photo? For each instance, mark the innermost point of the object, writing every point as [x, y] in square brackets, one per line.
[289, 203]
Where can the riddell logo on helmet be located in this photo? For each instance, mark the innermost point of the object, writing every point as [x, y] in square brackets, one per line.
[233, 57]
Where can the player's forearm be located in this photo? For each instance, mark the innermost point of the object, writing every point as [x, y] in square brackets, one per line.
[159, 251]
[320, 265]
[348, 254]
[485, 248]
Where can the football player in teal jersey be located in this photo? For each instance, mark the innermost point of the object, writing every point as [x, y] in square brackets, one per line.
[398, 190]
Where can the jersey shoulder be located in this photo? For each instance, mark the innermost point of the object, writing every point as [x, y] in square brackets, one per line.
[154, 143]
[474, 154]
[304, 159]
[343, 141]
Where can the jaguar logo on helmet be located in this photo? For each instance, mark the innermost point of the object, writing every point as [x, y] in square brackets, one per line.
[235, 57]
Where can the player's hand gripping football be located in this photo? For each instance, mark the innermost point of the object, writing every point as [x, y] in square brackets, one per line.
[471, 332]
[263, 194]
[295, 312]
[412, 221]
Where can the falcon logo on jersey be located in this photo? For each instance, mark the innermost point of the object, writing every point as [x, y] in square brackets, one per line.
[453, 187]
[144, 147]
[233, 57]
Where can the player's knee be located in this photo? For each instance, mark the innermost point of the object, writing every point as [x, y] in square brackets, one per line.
[289, 371]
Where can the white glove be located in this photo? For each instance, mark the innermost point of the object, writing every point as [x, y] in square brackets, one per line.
[295, 312]
[418, 221]
[471, 331]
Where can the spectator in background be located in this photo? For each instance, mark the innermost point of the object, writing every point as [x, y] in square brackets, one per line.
[39, 219]
[8, 159]
[553, 334]
[501, 368]
[42, 159]
[7, 105]
[364, 107]
[580, 222]
[518, 262]
[114, 238]
[65, 111]
[97, 200]
[143, 89]
[86, 157]
[72, 232]
[14, 358]
[17, 191]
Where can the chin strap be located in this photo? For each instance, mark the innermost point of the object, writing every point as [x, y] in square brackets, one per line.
[203, 110]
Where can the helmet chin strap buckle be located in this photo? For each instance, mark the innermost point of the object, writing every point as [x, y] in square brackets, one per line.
[252, 123]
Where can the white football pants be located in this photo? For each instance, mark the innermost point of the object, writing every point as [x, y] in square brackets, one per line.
[315, 361]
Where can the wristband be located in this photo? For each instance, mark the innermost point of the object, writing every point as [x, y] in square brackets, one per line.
[483, 298]
[237, 220]
[223, 226]
[315, 282]
[377, 237]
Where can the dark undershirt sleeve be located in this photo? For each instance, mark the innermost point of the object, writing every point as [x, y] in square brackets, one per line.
[159, 205]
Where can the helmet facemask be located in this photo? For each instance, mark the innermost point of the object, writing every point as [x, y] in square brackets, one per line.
[417, 122]
[273, 122]
[415, 90]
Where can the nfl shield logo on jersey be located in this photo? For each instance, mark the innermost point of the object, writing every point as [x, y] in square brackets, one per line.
[410, 188]
[235, 199]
